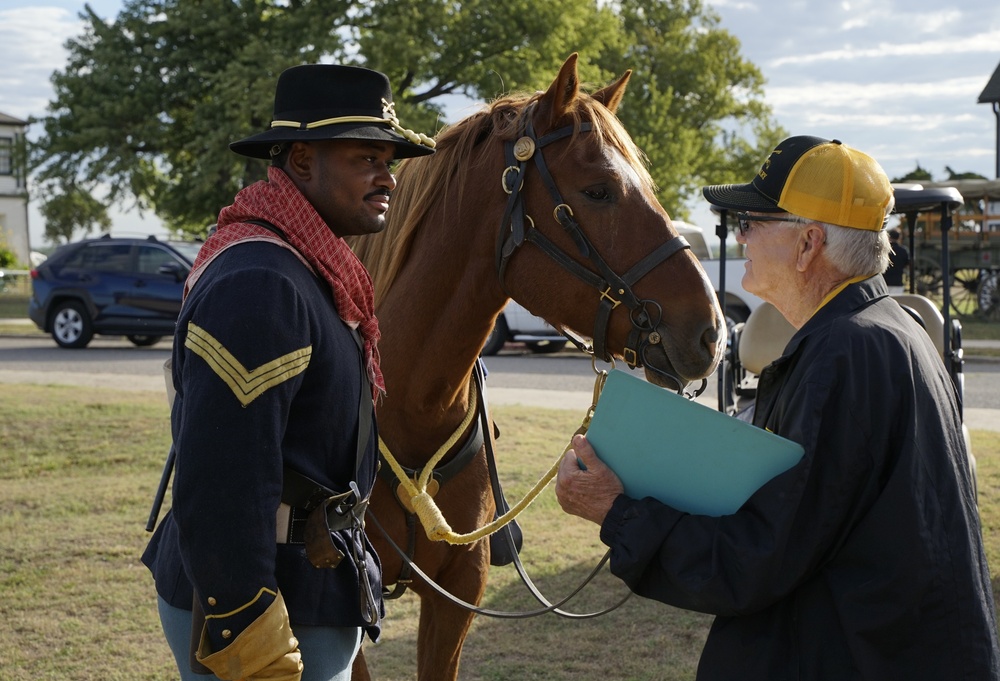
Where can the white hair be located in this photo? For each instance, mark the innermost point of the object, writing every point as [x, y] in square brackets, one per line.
[856, 252]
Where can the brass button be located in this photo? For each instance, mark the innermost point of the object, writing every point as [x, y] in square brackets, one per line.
[226, 633]
[211, 600]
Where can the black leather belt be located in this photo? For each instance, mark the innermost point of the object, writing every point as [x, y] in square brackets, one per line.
[291, 525]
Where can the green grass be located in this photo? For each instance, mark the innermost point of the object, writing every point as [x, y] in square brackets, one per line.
[14, 305]
[77, 475]
[975, 330]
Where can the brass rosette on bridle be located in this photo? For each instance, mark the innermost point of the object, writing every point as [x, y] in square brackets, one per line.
[524, 148]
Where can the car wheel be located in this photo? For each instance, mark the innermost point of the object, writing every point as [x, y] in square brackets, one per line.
[144, 341]
[546, 347]
[71, 326]
[497, 338]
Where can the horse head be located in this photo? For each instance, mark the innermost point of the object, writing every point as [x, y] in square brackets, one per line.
[579, 193]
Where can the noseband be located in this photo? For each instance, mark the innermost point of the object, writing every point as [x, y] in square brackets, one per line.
[615, 290]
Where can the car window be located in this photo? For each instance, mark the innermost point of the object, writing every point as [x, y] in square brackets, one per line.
[151, 258]
[189, 249]
[101, 258]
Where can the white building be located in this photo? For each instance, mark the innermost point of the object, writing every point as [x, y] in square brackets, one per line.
[13, 187]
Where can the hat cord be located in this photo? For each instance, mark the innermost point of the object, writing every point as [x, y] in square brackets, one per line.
[388, 117]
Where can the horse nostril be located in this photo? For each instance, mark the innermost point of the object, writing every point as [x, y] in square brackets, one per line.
[711, 335]
[712, 338]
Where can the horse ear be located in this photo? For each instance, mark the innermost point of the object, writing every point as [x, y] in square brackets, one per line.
[563, 91]
[611, 96]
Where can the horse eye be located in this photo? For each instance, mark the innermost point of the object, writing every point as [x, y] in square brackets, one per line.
[601, 194]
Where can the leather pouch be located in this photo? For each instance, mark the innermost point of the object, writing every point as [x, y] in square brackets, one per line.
[336, 513]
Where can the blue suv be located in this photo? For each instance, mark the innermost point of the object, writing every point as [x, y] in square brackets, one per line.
[111, 286]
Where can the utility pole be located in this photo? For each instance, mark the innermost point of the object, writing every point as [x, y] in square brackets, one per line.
[991, 95]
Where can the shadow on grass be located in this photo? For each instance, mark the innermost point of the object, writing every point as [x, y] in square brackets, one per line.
[641, 640]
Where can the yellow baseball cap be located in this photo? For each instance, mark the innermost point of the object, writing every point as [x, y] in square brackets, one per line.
[817, 179]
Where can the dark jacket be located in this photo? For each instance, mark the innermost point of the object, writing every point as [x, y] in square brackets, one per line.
[899, 258]
[262, 306]
[865, 560]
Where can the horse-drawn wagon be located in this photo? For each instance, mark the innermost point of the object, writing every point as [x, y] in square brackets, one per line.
[970, 265]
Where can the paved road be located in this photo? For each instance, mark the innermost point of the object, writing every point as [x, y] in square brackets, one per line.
[564, 380]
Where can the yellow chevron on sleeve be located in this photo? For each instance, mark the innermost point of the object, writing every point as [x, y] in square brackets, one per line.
[246, 384]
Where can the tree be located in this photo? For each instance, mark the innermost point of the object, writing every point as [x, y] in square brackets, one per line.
[71, 209]
[921, 174]
[694, 104]
[918, 174]
[149, 102]
[952, 175]
[478, 48]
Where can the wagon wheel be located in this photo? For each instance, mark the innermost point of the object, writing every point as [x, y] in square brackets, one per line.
[928, 274]
[964, 292]
[988, 295]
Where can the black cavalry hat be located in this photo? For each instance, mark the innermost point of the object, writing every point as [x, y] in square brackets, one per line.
[328, 102]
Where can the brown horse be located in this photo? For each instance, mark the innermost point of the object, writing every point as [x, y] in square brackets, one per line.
[546, 199]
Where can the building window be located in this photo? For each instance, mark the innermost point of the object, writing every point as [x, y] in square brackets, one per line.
[6, 156]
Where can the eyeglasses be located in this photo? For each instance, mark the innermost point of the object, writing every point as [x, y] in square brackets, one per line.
[746, 219]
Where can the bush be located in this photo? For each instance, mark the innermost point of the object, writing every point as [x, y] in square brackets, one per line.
[8, 258]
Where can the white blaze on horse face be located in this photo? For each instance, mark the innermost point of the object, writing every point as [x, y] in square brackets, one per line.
[626, 173]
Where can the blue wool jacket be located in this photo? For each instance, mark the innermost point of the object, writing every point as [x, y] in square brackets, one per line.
[267, 376]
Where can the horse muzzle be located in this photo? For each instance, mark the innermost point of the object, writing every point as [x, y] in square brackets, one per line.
[672, 360]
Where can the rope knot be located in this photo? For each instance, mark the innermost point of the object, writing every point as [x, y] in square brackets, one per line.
[436, 527]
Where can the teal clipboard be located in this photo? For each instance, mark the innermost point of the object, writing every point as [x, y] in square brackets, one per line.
[687, 455]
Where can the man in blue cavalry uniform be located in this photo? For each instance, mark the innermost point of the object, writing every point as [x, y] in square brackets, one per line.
[262, 567]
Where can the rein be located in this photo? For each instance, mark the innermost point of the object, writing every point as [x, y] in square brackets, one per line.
[417, 494]
[615, 290]
[437, 528]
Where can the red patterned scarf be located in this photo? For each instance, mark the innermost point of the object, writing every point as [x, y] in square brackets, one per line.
[279, 202]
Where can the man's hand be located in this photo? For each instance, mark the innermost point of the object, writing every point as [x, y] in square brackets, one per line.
[585, 486]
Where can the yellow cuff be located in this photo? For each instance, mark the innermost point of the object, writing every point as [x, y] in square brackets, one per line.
[266, 649]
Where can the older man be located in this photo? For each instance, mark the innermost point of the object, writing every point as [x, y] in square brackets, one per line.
[865, 560]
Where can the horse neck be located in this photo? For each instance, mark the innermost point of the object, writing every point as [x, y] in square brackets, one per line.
[434, 320]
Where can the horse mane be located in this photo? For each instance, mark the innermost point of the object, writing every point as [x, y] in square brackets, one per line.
[421, 182]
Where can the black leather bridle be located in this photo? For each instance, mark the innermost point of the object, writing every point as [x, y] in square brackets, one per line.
[615, 290]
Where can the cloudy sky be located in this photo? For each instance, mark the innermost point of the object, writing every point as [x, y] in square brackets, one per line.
[898, 79]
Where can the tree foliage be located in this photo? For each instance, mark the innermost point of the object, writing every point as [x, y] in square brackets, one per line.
[694, 104]
[71, 209]
[7, 257]
[149, 101]
[921, 174]
[968, 175]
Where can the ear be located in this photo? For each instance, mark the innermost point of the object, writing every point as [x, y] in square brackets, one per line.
[299, 165]
[810, 245]
[557, 100]
[611, 96]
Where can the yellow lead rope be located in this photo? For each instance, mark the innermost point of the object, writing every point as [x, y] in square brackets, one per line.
[423, 504]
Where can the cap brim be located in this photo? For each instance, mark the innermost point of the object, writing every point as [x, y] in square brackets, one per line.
[259, 145]
[740, 197]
